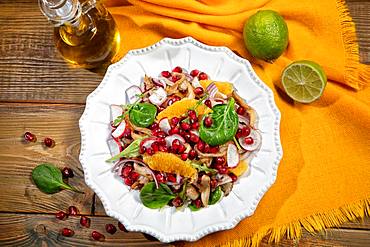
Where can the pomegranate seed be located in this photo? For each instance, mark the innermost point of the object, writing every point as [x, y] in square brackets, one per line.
[202, 76]
[246, 131]
[194, 72]
[208, 103]
[61, 215]
[166, 74]
[28, 136]
[176, 144]
[142, 150]
[213, 150]
[208, 122]
[184, 157]
[155, 146]
[198, 90]
[149, 151]
[174, 78]
[163, 148]
[128, 181]
[240, 110]
[200, 146]
[233, 177]
[192, 114]
[170, 102]
[84, 221]
[97, 236]
[181, 149]
[177, 69]
[160, 178]
[206, 148]
[214, 183]
[192, 154]
[154, 126]
[171, 178]
[121, 227]
[127, 133]
[66, 232]
[195, 125]
[174, 130]
[67, 172]
[194, 138]
[220, 160]
[187, 136]
[248, 140]
[72, 210]
[49, 142]
[160, 108]
[177, 202]
[223, 170]
[110, 228]
[185, 125]
[176, 98]
[134, 176]
[175, 121]
[126, 171]
[218, 166]
[239, 133]
[197, 203]
[160, 134]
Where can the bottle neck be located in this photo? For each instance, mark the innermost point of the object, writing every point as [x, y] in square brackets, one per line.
[60, 12]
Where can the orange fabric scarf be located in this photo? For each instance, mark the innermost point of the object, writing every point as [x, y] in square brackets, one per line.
[323, 179]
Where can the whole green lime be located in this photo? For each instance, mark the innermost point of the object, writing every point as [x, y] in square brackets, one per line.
[266, 35]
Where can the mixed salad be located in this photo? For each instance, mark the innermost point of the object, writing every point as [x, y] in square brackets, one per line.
[182, 139]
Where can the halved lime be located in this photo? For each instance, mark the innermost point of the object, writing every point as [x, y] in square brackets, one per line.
[304, 81]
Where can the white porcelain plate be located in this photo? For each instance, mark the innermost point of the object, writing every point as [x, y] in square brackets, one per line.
[167, 224]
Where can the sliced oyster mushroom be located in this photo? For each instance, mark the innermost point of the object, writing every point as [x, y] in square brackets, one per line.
[205, 189]
[143, 180]
[253, 118]
[226, 188]
[191, 192]
[148, 83]
[206, 160]
[223, 179]
[142, 170]
[190, 94]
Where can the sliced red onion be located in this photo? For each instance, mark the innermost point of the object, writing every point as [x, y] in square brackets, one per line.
[257, 141]
[114, 146]
[187, 75]
[164, 125]
[159, 82]
[195, 82]
[232, 156]
[115, 112]
[158, 96]
[212, 90]
[178, 178]
[132, 94]
[217, 102]
[119, 165]
[118, 133]
[171, 138]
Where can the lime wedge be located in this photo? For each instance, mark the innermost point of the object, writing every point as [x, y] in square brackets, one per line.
[304, 81]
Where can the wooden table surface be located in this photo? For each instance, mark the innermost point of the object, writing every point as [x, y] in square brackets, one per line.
[40, 93]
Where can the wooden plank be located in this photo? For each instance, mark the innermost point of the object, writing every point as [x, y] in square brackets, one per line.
[29, 61]
[17, 158]
[44, 230]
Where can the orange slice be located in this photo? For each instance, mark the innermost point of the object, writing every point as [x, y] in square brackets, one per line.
[224, 87]
[181, 107]
[240, 168]
[167, 162]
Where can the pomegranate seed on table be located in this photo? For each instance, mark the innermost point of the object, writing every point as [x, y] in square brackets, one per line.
[185, 125]
[110, 228]
[208, 121]
[128, 181]
[67, 172]
[246, 131]
[134, 176]
[184, 156]
[233, 177]
[125, 172]
[154, 126]
[85, 221]
[121, 227]
[198, 90]
[192, 154]
[66, 232]
[72, 210]
[49, 142]
[195, 125]
[28, 136]
[248, 140]
[177, 69]
[166, 74]
[175, 120]
[197, 203]
[240, 110]
[208, 103]
[194, 72]
[174, 130]
[177, 202]
[202, 76]
[61, 215]
[194, 138]
[97, 236]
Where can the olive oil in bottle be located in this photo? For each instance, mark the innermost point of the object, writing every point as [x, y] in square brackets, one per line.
[85, 32]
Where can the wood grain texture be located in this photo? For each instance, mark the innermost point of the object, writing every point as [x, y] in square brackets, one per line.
[44, 230]
[17, 158]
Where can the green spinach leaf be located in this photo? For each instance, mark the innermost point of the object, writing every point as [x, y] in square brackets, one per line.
[130, 151]
[224, 127]
[215, 196]
[156, 198]
[143, 114]
[49, 179]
